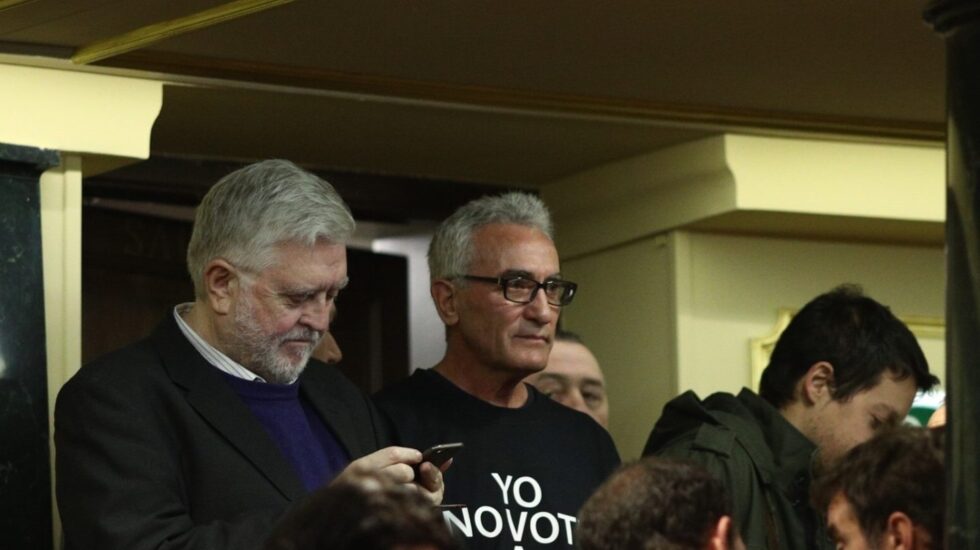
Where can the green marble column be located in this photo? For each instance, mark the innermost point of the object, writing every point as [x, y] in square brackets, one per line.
[25, 479]
[959, 23]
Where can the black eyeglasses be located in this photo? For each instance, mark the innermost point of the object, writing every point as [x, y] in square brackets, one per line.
[523, 290]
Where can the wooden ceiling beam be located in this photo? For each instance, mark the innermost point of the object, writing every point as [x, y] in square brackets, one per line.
[149, 34]
[669, 114]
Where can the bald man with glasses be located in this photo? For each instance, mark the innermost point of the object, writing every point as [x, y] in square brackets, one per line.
[528, 462]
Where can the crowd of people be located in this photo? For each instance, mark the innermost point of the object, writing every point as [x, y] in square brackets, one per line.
[227, 427]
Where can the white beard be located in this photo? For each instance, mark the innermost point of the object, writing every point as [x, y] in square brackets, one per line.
[262, 353]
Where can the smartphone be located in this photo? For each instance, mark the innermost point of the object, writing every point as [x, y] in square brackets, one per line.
[439, 454]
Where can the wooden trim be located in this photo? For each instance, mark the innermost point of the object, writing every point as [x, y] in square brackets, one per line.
[677, 114]
[7, 4]
[156, 32]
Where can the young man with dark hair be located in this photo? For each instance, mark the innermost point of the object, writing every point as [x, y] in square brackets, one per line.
[887, 493]
[658, 504]
[844, 367]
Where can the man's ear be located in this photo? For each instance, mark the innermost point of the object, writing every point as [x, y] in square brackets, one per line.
[444, 295]
[817, 384]
[900, 533]
[718, 539]
[221, 282]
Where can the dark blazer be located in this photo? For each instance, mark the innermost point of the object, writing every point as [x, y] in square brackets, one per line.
[155, 450]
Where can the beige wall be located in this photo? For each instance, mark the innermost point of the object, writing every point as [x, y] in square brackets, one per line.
[625, 314]
[738, 284]
[676, 312]
[95, 122]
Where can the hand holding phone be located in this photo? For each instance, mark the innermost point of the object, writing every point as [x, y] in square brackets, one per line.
[438, 455]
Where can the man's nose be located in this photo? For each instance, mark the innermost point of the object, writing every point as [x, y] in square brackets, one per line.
[316, 314]
[539, 309]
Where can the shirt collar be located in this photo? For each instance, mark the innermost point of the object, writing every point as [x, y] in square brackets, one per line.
[211, 354]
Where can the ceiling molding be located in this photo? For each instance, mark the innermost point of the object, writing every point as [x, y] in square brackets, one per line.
[149, 34]
[663, 113]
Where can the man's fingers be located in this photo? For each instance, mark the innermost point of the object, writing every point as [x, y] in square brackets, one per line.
[399, 473]
[388, 456]
[430, 482]
[430, 477]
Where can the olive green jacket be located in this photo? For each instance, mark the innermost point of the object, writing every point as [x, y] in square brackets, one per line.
[762, 459]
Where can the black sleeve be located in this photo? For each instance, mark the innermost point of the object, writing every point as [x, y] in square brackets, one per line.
[119, 485]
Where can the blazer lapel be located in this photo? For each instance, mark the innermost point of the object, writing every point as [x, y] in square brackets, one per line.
[317, 390]
[220, 407]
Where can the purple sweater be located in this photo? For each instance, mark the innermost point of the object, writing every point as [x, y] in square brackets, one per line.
[302, 436]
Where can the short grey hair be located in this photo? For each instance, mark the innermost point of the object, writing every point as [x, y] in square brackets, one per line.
[451, 249]
[254, 208]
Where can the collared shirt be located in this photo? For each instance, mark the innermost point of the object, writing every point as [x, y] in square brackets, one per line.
[211, 354]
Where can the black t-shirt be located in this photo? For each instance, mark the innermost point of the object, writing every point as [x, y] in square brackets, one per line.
[523, 473]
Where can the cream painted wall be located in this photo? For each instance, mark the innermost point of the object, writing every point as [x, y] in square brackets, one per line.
[61, 243]
[868, 180]
[737, 285]
[624, 312]
[95, 122]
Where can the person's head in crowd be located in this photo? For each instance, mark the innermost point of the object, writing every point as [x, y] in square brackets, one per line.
[267, 258]
[497, 287]
[887, 493]
[365, 512]
[658, 504]
[573, 377]
[844, 367]
[328, 350]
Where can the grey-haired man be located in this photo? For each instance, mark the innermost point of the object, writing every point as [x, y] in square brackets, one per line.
[204, 434]
[529, 462]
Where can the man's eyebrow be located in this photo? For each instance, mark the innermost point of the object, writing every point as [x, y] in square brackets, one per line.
[301, 289]
[553, 376]
[516, 273]
[593, 382]
[889, 413]
[528, 274]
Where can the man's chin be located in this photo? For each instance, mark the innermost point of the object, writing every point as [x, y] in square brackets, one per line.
[285, 371]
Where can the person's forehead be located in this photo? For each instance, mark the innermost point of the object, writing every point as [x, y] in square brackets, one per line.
[840, 515]
[514, 247]
[323, 264]
[890, 394]
[574, 360]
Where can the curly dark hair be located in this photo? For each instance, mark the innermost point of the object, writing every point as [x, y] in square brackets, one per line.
[898, 470]
[653, 504]
[858, 336]
[368, 512]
